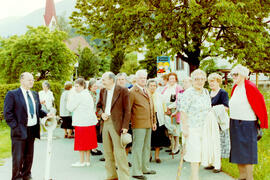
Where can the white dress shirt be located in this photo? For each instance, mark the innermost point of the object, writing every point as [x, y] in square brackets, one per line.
[31, 121]
[109, 101]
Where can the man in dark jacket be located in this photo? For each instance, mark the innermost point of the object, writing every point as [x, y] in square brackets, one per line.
[22, 111]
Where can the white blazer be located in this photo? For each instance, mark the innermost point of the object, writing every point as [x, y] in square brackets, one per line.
[82, 106]
[63, 104]
[159, 101]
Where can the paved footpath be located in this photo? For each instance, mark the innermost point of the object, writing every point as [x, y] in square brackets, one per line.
[63, 156]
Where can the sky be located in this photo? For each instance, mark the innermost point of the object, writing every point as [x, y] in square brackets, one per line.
[18, 8]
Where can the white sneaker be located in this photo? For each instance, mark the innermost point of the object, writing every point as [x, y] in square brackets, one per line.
[87, 164]
[78, 164]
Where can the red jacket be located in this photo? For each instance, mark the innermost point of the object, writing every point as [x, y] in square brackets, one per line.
[256, 101]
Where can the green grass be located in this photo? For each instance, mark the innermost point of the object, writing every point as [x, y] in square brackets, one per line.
[5, 142]
[261, 170]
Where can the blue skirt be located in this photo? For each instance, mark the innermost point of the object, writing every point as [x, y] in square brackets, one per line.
[243, 135]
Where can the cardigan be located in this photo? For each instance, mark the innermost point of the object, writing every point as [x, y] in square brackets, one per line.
[178, 90]
[256, 101]
[82, 106]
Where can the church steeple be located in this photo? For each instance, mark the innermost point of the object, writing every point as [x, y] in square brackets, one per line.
[50, 14]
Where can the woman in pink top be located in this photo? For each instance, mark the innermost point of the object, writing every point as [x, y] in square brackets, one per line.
[172, 123]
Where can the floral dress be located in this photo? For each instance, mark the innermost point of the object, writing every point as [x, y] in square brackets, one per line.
[196, 106]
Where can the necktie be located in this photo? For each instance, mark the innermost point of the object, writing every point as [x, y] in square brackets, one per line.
[30, 103]
[144, 91]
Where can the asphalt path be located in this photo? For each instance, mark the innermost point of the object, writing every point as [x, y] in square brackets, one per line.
[63, 156]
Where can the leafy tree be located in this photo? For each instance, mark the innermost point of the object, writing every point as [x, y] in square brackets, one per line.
[191, 29]
[150, 63]
[105, 65]
[88, 64]
[117, 61]
[63, 25]
[130, 65]
[38, 51]
[209, 66]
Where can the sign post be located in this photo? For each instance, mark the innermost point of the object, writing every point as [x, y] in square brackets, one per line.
[163, 65]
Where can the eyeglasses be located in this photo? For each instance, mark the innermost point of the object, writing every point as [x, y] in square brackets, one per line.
[199, 79]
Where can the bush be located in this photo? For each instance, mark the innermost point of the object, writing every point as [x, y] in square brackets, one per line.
[56, 88]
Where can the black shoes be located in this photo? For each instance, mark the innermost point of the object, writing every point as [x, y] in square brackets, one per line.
[216, 170]
[158, 161]
[96, 152]
[140, 177]
[172, 153]
[102, 159]
[144, 177]
[150, 172]
[209, 167]
[129, 164]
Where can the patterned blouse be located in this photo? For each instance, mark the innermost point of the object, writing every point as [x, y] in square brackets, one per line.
[196, 106]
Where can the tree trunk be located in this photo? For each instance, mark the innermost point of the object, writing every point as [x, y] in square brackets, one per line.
[192, 67]
[193, 61]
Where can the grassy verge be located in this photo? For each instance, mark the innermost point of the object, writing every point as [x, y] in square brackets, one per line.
[5, 142]
[261, 170]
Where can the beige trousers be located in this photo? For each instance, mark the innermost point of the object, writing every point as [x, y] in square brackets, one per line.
[141, 147]
[114, 153]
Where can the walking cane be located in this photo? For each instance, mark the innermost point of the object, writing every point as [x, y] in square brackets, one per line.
[183, 152]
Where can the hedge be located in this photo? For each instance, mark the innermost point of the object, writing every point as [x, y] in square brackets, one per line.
[56, 88]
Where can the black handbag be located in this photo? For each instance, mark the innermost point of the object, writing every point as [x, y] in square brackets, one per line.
[259, 131]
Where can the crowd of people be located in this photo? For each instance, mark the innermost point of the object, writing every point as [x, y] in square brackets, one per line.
[182, 116]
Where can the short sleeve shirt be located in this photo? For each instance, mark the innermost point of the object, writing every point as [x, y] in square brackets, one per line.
[196, 105]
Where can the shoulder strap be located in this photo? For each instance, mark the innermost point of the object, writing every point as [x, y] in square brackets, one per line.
[163, 91]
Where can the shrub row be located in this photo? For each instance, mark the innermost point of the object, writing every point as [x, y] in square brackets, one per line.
[56, 88]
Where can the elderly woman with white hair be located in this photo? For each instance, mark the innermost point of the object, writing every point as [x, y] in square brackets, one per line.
[220, 99]
[65, 114]
[247, 105]
[195, 106]
[158, 138]
[46, 97]
[46, 100]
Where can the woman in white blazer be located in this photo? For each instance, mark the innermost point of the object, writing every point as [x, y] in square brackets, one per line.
[158, 137]
[84, 119]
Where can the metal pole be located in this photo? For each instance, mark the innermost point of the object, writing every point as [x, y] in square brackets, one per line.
[49, 154]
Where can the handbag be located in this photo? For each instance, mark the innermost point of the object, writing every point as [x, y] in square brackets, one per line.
[259, 131]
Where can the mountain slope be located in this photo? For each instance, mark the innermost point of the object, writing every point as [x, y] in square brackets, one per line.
[18, 25]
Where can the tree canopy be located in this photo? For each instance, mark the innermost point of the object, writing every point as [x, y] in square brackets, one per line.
[39, 51]
[88, 64]
[130, 65]
[193, 30]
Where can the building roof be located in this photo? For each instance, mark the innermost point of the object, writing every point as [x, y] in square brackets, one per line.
[76, 43]
[49, 12]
